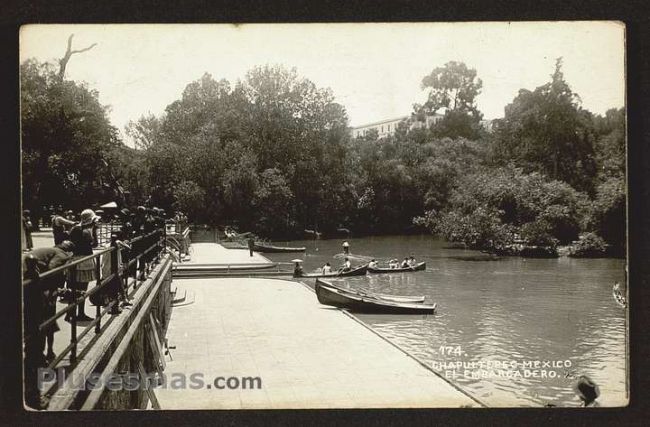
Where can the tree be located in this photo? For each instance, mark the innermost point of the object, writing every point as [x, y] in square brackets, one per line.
[493, 204]
[204, 109]
[547, 131]
[273, 201]
[610, 145]
[609, 212]
[454, 88]
[295, 127]
[189, 198]
[145, 132]
[228, 139]
[63, 62]
[67, 141]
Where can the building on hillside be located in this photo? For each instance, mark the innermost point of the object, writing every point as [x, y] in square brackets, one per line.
[387, 127]
[487, 125]
[383, 127]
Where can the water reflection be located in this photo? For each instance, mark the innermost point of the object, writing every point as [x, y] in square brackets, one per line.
[515, 310]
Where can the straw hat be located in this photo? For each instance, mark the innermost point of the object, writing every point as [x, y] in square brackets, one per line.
[88, 217]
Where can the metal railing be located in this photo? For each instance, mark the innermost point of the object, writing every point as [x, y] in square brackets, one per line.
[155, 242]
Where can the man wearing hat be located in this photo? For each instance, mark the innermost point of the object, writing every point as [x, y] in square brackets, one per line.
[84, 237]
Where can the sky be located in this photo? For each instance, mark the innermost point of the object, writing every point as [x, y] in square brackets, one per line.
[374, 70]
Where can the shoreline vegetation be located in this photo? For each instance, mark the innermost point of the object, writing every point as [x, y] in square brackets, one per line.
[274, 154]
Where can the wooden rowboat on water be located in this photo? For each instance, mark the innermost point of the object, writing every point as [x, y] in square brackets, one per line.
[386, 297]
[329, 295]
[264, 247]
[418, 267]
[356, 271]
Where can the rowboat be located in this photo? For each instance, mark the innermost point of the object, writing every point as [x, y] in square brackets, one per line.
[263, 247]
[418, 267]
[329, 295]
[233, 235]
[356, 271]
[385, 297]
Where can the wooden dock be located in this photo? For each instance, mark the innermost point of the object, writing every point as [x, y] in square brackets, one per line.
[306, 355]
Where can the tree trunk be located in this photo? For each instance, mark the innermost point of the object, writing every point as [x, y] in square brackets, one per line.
[63, 62]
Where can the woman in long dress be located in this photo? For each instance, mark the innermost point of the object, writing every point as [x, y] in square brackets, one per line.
[83, 235]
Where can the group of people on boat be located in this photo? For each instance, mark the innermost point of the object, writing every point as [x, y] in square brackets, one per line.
[325, 269]
[394, 263]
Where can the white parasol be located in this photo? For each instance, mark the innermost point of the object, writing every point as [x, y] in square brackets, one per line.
[109, 205]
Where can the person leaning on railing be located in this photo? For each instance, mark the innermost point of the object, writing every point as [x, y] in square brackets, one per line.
[40, 298]
[83, 235]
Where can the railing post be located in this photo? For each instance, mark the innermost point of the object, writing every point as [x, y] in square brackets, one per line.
[158, 249]
[114, 272]
[73, 316]
[164, 237]
[125, 272]
[98, 276]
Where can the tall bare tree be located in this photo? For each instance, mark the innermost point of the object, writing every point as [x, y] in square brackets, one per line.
[63, 62]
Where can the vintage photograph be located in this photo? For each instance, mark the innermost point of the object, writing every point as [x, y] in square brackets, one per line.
[301, 216]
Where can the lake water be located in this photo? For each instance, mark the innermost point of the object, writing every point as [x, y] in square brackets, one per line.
[513, 332]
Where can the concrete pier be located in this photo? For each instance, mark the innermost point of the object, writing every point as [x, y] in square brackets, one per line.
[214, 253]
[305, 354]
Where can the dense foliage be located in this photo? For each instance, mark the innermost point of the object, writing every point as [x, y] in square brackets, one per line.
[453, 88]
[589, 245]
[272, 153]
[489, 208]
[546, 131]
[67, 141]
